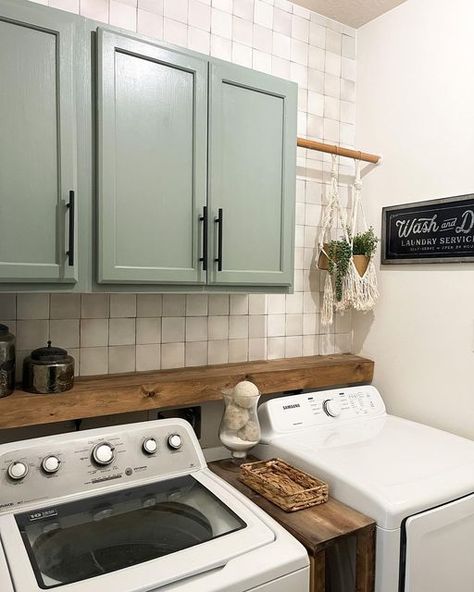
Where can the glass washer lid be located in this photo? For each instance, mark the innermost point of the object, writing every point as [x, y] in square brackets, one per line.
[83, 539]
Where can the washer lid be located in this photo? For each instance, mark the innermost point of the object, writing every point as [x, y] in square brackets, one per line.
[386, 467]
[141, 538]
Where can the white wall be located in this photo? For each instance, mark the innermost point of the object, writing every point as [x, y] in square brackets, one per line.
[415, 106]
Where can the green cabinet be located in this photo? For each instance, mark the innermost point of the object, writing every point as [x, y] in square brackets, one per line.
[178, 132]
[152, 138]
[182, 175]
[37, 146]
[252, 155]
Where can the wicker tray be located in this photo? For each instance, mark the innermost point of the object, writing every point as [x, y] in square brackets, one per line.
[288, 487]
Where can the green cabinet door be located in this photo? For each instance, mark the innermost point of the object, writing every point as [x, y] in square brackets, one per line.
[152, 123]
[252, 160]
[37, 145]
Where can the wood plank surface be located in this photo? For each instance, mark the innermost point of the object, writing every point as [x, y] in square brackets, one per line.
[365, 561]
[123, 393]
[315, 527]
[317, 572]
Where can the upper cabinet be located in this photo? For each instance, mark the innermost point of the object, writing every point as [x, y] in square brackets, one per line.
[152, 120]
[252, 155]
[37, 147]
[132, 165]
[196, 170]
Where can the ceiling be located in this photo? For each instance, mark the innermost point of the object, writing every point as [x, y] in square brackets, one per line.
[354, 13]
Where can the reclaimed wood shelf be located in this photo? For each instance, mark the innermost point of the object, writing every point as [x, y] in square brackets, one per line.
[142, 391]
[317, 528]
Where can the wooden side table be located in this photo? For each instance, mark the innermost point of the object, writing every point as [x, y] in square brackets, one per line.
[317, 528]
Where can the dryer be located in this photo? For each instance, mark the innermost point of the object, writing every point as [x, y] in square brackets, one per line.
[134, 508]
[417, 482]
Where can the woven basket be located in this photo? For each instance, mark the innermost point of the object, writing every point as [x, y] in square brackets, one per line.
[288, 487]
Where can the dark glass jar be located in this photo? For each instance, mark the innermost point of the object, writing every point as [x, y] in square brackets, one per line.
[7, 361]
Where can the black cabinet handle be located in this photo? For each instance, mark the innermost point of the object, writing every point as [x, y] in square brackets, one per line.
[220, 221]
[204, 220]
[71, 207]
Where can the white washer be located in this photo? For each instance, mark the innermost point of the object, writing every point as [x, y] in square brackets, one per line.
[134, 508]
[417, 482]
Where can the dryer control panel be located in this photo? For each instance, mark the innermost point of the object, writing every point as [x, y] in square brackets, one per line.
[284, 415]
[64, 464]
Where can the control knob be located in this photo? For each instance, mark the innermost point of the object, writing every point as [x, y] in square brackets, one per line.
[17, 470]
[175, 442]
[103, 453]
[50, 464]
[332, 407]
[149, 446]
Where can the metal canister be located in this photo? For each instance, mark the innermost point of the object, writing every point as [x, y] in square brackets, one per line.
[7, 361]
[48, 370]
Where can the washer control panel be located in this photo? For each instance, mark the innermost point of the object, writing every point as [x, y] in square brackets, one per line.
[319, 408]
[70, 463]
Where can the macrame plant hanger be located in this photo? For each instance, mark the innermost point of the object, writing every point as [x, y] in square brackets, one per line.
[360, 292]
[333, 218]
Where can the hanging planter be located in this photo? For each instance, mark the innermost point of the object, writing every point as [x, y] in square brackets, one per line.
[364, 245]
[361, 284]
[323, 261]
[351, 281]
[361, 262]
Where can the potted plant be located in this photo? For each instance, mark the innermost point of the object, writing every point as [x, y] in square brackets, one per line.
[339, 258]
[363, 248]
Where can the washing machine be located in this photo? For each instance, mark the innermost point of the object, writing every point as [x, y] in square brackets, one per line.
[134, 508]
[417, 482]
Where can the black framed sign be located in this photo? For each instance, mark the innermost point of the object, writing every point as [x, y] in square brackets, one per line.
[436, 231]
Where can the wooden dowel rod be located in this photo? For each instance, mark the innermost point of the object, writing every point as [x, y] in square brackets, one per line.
[332, 149]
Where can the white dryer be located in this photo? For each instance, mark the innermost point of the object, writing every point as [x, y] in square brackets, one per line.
[134, 508]
[417, 482]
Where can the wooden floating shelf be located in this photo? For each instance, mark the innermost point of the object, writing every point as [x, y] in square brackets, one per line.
[143, 391]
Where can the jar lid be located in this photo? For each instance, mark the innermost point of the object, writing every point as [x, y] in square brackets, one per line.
[4, 330]
[48, 354]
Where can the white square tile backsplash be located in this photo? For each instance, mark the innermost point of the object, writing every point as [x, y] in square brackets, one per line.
[149, 305]
[65, 306]
[122, 331]
[173, 329]
[94, 332]
[148, 331]
[172, 355]
[32, 306]
[127, 332]
[196, 329]
[123, 305]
